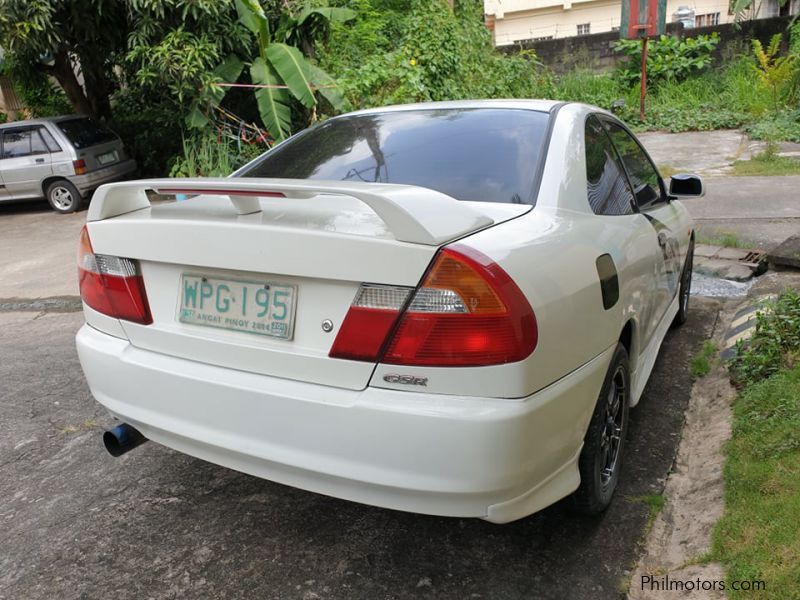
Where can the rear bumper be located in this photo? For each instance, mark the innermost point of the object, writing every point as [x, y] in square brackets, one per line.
[468, 457]
[88, 182]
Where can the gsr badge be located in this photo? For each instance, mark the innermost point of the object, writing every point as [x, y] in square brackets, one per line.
[406, 379]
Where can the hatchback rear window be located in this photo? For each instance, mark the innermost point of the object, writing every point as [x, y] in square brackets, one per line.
[84, 132]
[484, 154]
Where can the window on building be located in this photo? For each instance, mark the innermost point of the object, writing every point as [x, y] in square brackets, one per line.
[615, 28]
[606, 184]
[583, 28]
[706, 20]
[543, 38]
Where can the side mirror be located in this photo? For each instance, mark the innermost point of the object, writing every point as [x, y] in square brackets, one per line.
[686, 185]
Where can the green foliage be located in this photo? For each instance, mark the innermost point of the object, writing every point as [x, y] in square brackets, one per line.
[775, 72]
[286, 77]
[48, 34]
[151, 131]
[758, 536]
[399, 51]
[180, 63]
[700, 365]
[785, 126]
[210, 156]
[38, 94]
[668, 59]
[584, 85]
[775, 343]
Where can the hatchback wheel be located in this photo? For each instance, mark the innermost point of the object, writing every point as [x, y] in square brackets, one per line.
[601, 458]
[63, 196]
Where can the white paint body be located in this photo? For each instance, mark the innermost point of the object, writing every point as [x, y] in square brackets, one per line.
[497, 442]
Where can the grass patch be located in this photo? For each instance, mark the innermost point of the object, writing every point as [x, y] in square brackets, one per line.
[700, 365]
[725, 239]
[758, 537]
[764, 165]
[654, 502]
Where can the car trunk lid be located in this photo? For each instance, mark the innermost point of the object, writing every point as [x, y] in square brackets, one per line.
[313, 243]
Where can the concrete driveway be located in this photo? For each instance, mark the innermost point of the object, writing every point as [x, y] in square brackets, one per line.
[37, 251]
[76, 523]
[759, 211]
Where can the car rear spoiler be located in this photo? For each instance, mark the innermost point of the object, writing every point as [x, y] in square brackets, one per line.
[412, 214]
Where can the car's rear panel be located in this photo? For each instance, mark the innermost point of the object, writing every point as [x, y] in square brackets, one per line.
[97, 146]
[308, 247]
[324, 248]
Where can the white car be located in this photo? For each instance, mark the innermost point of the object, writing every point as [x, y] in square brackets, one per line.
[441, 308]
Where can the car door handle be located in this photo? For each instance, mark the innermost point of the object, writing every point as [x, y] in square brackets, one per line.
[662, 239]
[39, 160]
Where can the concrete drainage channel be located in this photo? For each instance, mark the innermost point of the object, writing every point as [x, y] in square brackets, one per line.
[721, 272]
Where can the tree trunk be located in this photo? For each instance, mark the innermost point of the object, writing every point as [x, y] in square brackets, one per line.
[98, 87]
[65, 75]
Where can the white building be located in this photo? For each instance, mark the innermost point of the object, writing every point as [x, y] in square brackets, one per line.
[521, 20]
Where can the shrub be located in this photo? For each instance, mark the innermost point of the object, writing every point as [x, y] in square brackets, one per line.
[149, 128]
[775, 343]
[785, 126]
[774, 72]
[668, 58]
[212, 156]
[400, 51]
[584, 85]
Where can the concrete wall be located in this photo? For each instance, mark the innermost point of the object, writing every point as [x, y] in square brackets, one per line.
[596, 50]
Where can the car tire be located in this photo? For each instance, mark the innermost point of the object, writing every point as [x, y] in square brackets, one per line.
[603, 446]
[63, 196]
[685, 288]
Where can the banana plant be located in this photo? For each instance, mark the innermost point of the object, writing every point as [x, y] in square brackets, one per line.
[280, 68]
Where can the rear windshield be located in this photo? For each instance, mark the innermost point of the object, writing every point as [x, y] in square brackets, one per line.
[84, 132]
[485, 155]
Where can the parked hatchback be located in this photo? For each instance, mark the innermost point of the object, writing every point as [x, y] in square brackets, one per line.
[62, 159]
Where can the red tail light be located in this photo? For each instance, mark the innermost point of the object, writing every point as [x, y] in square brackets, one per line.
[79, 166]
[466, 312]
[111, 285]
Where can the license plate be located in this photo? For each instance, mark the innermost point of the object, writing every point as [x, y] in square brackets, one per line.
[108, 157]
[262, 307]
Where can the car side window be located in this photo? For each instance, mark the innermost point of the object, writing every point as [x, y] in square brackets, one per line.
[607, 186]
[49, 140]
[22, 142]
[643, 175]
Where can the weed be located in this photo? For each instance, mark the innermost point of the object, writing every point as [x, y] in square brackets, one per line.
[700, 365]
[725, 239]
[775, 344]
[768, 163]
